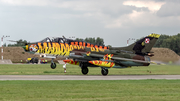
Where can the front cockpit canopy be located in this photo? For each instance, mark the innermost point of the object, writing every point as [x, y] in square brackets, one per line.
[53, 39]
[58, 40]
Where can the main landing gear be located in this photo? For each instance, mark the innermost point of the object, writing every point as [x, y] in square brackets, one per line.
[104, 71]
[53, 65]
[84, 68]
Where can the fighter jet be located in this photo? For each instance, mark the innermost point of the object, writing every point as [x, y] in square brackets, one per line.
[89, 55]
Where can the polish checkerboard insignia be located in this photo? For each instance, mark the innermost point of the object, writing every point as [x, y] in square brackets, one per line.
[147, 40]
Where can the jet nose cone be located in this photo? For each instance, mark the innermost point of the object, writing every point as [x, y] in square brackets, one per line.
[25, 48]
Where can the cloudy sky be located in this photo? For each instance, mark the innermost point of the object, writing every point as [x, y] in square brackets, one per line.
[113, 20]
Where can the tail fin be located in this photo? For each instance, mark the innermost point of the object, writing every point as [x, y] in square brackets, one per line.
[142, 46]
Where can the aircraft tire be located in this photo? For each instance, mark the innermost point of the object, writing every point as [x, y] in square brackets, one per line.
[53, 65]
[104, 72]
[84, 70]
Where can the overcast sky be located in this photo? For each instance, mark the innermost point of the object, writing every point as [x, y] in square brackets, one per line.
[113, 20]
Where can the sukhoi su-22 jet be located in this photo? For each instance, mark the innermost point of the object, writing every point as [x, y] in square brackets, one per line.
[89, 55]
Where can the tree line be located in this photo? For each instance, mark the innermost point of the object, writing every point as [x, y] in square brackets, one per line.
[18, 43]
[171, 42]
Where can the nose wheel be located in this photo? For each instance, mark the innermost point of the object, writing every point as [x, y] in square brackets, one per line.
[53, 65]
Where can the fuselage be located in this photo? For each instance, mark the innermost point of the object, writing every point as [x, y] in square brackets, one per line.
[61, 49]
[90, 55]
[119, 60]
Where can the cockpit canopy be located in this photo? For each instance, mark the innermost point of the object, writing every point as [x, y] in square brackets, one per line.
[70, 42]
[58, 40]
[53, 39]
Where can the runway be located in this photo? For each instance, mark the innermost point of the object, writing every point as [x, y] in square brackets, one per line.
[87, 77]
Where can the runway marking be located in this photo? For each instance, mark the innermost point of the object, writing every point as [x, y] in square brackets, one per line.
[87, 77]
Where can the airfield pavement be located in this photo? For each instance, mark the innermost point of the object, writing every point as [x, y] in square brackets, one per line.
[87, 77]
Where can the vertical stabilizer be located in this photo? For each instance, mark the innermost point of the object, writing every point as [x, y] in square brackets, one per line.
[144, 45]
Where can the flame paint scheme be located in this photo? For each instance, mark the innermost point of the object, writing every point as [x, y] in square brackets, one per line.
[54, 47]
[60, 49]
[88, 55]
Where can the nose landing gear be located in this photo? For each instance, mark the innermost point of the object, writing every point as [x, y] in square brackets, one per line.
[53, 65]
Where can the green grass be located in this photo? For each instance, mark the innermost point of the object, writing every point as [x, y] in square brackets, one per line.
[29, 69]
[121, 90]
[96, 90]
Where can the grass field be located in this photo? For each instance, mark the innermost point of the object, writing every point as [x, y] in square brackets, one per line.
[30, 69]
[121, 90]
[96, 90]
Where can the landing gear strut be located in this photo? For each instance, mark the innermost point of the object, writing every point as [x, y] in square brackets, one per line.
[104, 71]
[53, 65]
[84, 68]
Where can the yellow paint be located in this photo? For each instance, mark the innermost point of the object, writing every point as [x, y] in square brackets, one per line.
[27, 48]
[57, 51]
[49, 48]
[88, 53]
[108, 57]
[93, 49]
[73, 62]
[103, 63]
[28, 59]
[154, 35]
[45, 47]
[61, 48]
[143, 43]
[40, 48]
